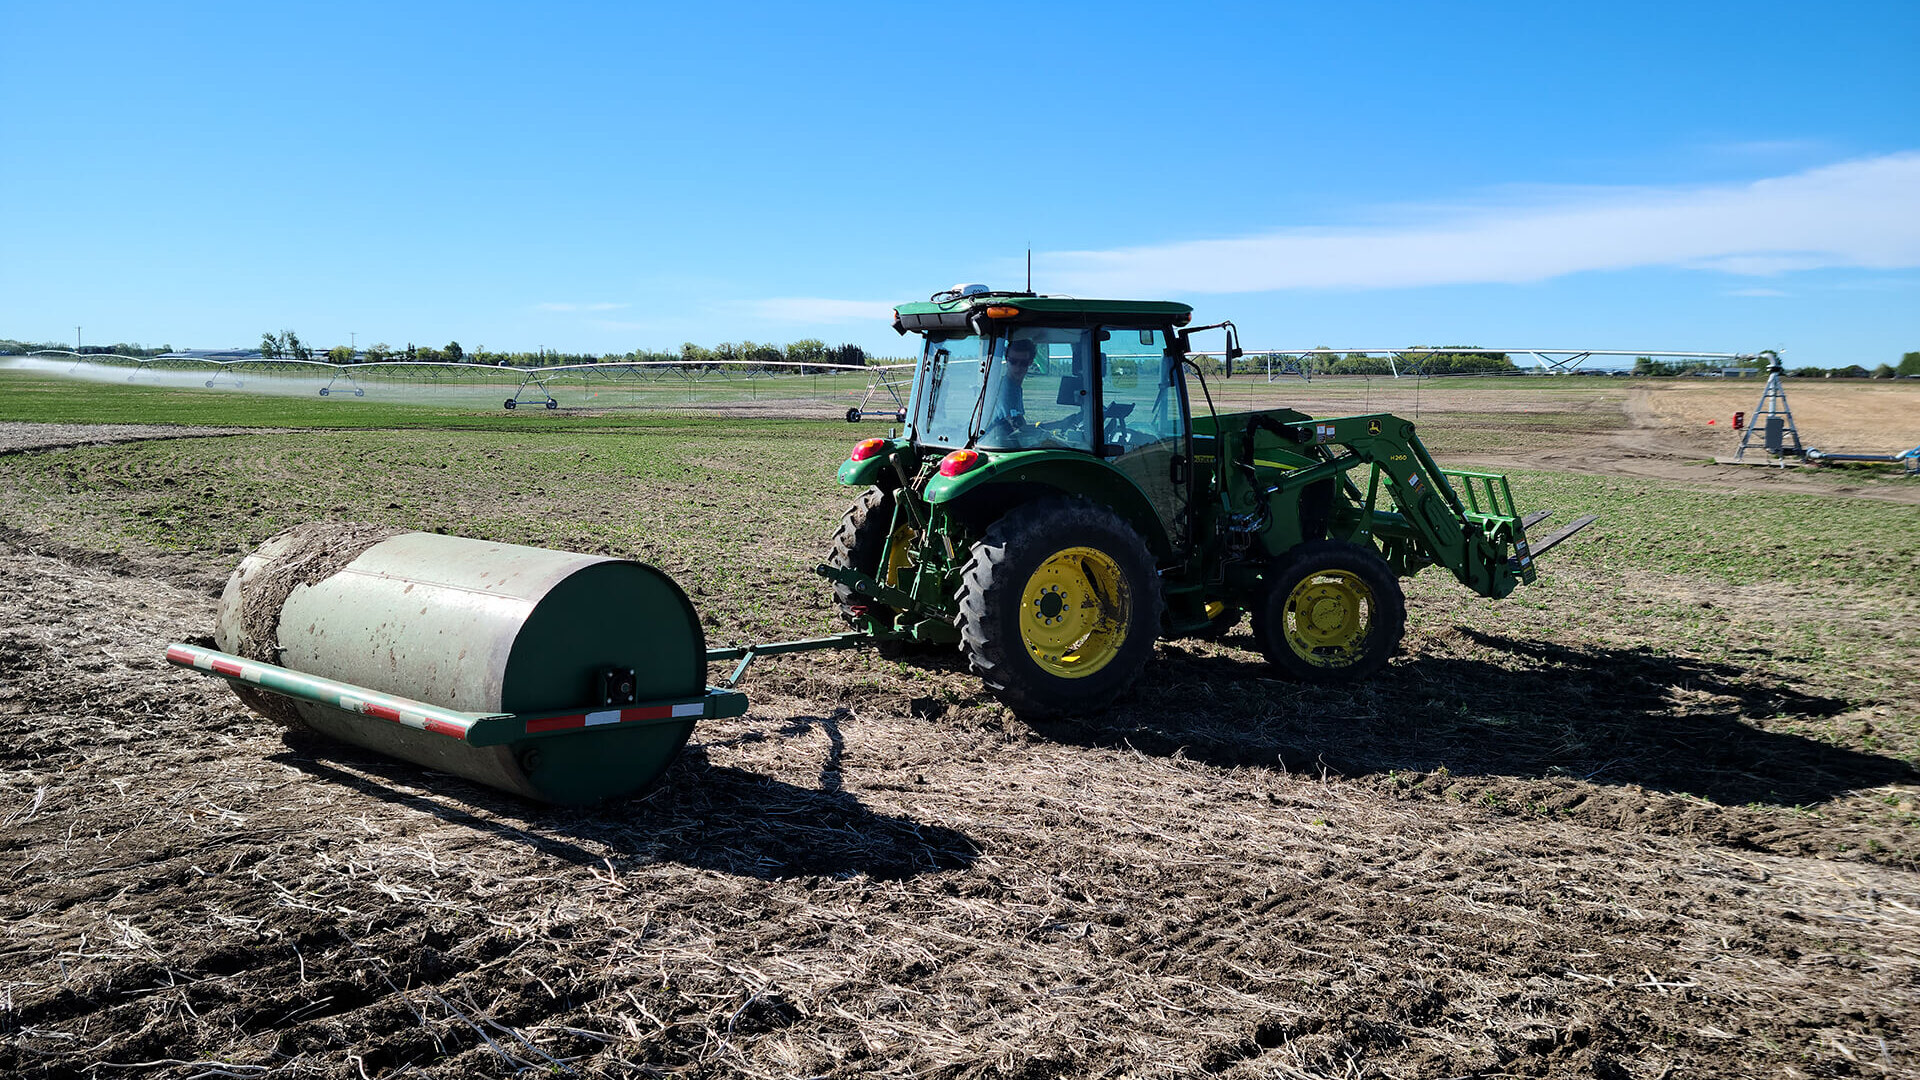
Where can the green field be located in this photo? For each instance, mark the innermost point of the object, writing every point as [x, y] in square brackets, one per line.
[176, 395]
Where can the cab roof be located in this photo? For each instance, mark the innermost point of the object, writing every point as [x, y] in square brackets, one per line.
[963, 312]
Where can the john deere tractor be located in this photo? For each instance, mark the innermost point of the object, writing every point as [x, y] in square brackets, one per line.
[1054, 504]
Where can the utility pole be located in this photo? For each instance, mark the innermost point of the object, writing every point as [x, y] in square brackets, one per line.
[76, 339]
[353, 340]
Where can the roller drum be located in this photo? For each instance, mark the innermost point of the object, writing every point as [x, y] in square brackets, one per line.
[478, 627]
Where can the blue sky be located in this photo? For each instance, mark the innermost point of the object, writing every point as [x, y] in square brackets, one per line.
[602, 177]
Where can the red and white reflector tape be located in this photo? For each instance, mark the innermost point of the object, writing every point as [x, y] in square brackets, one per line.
[417, 715]
[692, 710]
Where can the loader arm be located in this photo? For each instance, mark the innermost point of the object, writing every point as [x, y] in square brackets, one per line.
[1464, 521]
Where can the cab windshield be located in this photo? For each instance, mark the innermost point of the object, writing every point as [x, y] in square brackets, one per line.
[946, 390]
[1024, 390]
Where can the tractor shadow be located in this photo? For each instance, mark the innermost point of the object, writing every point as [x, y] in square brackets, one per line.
[1606, 716]
[711, 817]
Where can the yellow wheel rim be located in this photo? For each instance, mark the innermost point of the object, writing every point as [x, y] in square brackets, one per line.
[1074, 612]
[899, 556]
[1328, 618]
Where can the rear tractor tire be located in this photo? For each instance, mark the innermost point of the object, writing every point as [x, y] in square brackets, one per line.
[1059, 607]
[1333, 614]
[867, 541]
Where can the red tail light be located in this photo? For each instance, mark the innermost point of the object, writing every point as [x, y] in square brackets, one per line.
[959, 461]
[866, 448]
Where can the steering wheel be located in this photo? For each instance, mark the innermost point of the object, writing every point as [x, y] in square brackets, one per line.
[1117, 432]
[1003, 429]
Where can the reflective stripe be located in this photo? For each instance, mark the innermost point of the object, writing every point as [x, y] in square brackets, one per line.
[683, 710]
[301, 686]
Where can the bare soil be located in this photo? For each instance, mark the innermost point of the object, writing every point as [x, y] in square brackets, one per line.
[1539, 845]
[1676, 429]
[18, 436]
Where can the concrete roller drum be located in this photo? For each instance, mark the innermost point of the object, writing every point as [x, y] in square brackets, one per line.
[498, 632]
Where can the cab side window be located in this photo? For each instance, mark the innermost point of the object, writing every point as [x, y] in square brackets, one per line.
[1141, 404]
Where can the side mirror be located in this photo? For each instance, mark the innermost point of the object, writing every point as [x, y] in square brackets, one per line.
[1234, 351]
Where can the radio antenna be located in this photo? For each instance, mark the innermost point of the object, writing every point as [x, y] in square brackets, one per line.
[1029, 271]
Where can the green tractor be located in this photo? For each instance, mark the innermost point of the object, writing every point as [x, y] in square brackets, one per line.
[1054, 504]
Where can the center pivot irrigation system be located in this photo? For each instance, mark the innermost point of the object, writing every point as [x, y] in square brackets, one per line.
[882, 389]
[884, 385]
[1307, 363]
[1063, 494]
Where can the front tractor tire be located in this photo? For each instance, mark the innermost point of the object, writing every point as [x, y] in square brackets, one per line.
[1333, 614]
[1059, 607]
[867, 541]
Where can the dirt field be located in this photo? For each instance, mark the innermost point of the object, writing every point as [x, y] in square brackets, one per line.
[1630, 823]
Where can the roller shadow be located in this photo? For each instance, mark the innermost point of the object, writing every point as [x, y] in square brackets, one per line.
[713, 817]
[1609, 716]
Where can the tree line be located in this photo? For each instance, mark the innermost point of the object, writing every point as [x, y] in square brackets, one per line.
[123, 348]
[287, 345]
[1443, 360]
[1416, 360]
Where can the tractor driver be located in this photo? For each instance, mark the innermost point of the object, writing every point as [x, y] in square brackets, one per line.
[1010, 412]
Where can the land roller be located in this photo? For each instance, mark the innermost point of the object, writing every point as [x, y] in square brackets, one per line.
[1052, 506]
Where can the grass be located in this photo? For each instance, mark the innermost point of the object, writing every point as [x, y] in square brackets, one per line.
[50, 399]
[1741, 537]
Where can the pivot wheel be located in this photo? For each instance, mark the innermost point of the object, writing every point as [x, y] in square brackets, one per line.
[868, 541]
[1059, 606]
[1333, 613]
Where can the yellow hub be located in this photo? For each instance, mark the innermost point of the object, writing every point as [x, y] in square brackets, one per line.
[899, 556]
[1328, 617]
[1074, 612]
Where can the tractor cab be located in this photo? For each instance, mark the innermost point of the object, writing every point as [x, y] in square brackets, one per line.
[1012, 373]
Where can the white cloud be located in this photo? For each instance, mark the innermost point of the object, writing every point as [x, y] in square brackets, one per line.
[819, 311]
[1862, 213]
[579, 307]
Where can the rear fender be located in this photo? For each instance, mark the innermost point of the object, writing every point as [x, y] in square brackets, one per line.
[1004, 480]
[871, 470]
